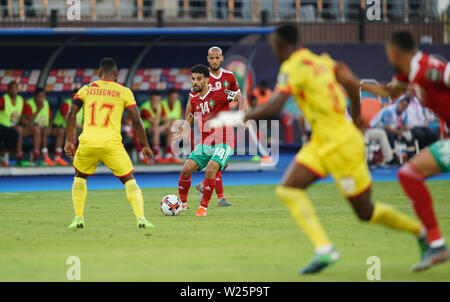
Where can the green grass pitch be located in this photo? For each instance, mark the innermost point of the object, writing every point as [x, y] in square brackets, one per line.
[254, 240]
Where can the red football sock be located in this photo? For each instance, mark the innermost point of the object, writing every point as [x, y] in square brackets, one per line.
[156, 150]
[19, 155]
[184, 183]
[58, 152]
[35, 154]
[208, 187]
[414, 186]
[219, 185]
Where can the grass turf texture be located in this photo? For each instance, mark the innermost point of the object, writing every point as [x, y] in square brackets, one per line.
[254, 240]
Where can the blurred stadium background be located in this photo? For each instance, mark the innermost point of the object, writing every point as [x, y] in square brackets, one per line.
[156, 42]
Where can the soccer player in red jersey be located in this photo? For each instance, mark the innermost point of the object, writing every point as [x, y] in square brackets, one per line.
[219, 78]
[217, 145]
[431, 78]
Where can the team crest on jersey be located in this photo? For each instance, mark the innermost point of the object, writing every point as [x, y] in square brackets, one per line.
[433, 75]
[226, 84]
[211, 103]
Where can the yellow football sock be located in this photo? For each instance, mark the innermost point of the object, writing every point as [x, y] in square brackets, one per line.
[79, 193]
[303, 213]
[387, 215]
[134, 195]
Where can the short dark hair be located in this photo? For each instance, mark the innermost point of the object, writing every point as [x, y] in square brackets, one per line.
[108, 65]
[74, 91]
[156, 93]
[402, 40]
[172, 90]
[38, 90]
[13, 82]
[203, 69]
[288, 33]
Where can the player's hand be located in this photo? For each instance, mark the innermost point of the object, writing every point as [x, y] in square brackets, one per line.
[228, 118]
[148, 153]
[231, 95]
[69, 148]
[359, 122]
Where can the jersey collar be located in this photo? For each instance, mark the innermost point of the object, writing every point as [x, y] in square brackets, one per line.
[217, 77]
[414, 65]
[203, 97]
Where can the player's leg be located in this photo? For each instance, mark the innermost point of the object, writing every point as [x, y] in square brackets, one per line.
[134, 196]
[219, 156]
[412, 175]
[292, 192]
[35, 132]
[209, 183]
[222, 200]
[155, 137]
[79, 194]
[46, 132]
[184, 182]
[348, 167]
[197, 160]
[116, 158]
[59, 133]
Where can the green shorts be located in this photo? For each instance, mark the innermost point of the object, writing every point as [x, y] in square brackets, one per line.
[220, 153]
[441, 152]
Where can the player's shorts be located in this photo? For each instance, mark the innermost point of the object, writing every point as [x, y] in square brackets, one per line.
[345, 161]
[114, 157]
[441, 152]
[220, 153]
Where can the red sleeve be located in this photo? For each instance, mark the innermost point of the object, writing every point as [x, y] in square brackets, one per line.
[234, 86]
[2, 103]
[27, 110]
[49, 113]
[145, 114]
[64, 109]
[435, 71]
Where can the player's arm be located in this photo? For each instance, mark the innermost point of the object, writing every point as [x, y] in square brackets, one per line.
[71, 124]
[136, 121]
[350, 82]
[269, 109]
[385, 91]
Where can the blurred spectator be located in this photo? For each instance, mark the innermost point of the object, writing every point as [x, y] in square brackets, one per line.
[59, 125]
[11, 107]
[171, 111]
[392, 119]
[151, 118]
[37, 115]
[262, 93]
[379, 135]
[416, 121]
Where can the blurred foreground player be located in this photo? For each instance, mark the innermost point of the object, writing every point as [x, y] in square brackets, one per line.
[336, 146]
[104, 102]
[432, 77]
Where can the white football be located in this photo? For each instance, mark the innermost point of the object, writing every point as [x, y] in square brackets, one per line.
[171, 205]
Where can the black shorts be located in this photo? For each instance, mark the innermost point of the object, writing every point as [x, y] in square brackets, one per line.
[8, 138]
